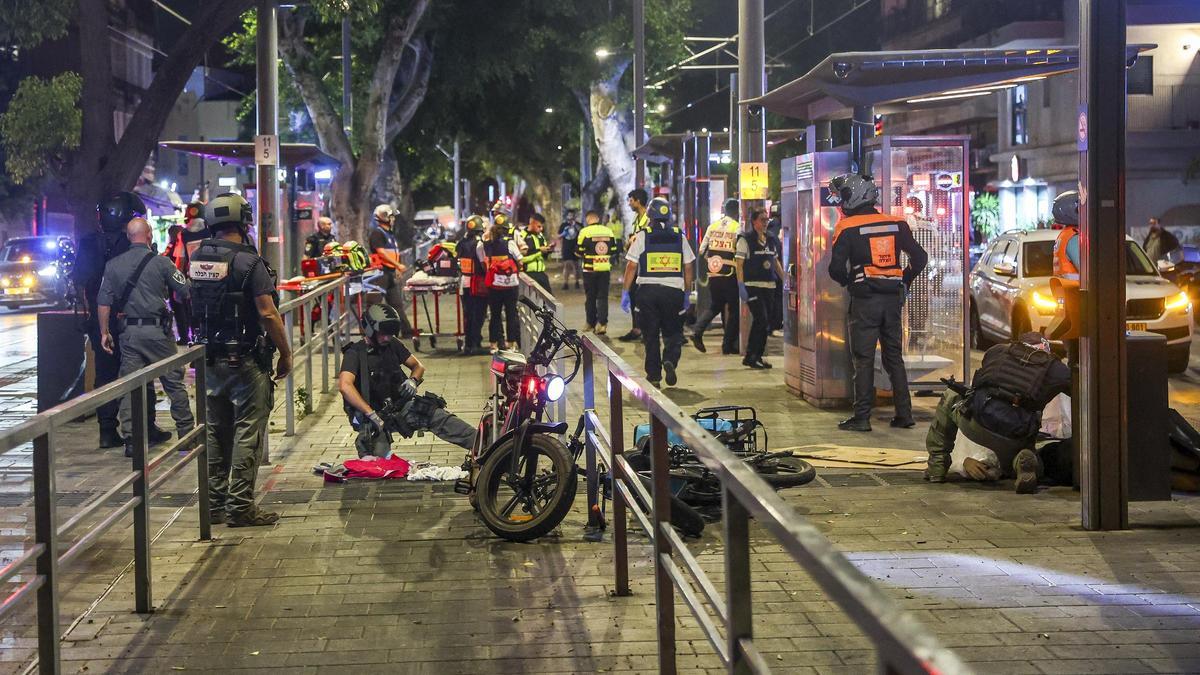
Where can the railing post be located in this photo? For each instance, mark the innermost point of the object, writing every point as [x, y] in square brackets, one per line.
[327, 320]
[595, 519]
[616, 435]
[664, 591]
[45, 531]
[141, 511]
[305, 317]
[739, 623]
[289, 407]
[202, 458]
[339, 306]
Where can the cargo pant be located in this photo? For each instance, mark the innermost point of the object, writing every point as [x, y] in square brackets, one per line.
[239, 403]
[442, 424]
[876, 319]
[140, 347]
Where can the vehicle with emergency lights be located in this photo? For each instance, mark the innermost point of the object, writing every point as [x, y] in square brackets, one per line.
[36, 271]
[1010, 294]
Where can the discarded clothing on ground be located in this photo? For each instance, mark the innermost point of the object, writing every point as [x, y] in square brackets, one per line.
[376, 468]
[427, 471]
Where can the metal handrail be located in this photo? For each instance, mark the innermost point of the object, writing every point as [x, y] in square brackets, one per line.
[904, 645]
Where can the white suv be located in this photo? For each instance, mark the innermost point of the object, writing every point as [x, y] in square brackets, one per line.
[1010, 294]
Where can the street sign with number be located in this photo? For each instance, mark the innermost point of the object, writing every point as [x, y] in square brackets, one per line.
[753, 180]
[266, 150]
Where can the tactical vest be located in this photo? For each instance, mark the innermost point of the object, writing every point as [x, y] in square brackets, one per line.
[1019, 376]
[223, 312]
[722, 242]
[759, 263]
[596, 245]
[466, 255]
[536, 242]
[662, 256]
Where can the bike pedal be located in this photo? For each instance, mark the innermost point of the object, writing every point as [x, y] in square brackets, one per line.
[462, 486]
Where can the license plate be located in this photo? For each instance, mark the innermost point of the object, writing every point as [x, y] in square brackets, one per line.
[16, 291]
[1135, 326]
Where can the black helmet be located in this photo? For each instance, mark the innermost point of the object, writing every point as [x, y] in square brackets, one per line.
[118, 209]
[658, 210]
[227, 209]
[731, 208]
[381, 318]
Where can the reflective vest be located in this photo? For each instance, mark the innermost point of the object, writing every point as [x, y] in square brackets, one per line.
[641, 223]
[1063, 267]
[722, 244]
[534, 260]
[662, 255]
[224, 313]
[879, 259]
[759, 263]
[596, 246]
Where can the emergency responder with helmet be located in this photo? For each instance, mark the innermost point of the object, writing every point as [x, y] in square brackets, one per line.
[95, 250]
[382, 242]
[660, 260]
[866, 260]
[474, 287]
[534, 249]
[378, 383]
[501, 218]
[1065, 282]
[595, 248]
[237, 319]
[717, 248]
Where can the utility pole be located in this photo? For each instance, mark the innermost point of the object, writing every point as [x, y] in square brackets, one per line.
[1102, 425]
[752, 130]
[347, 103]
[267, 151]
[458, 210]
[639, 86]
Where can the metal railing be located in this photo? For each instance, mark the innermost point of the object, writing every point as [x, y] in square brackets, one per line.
[42, 430]
[902, 643]
[335, 330]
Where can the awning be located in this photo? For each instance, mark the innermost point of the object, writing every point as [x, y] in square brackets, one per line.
[241, 153]
[898, 80]
[669, 147]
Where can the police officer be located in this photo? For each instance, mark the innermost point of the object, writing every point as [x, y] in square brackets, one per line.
[95, 250]
[866, 260]
[757, 265]
[637, 200]
[596, 244]
[136, 287]
[474, 287]
[235, 306]
[314, 245]
[534, 250]
[717, 248]
[379, 370]
[660, 260]
[382, 242]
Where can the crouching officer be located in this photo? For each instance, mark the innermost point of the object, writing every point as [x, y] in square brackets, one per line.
[379, 381]
[1002, 411]
[235, 307]
[660, 260]
[136, 287]
[474, 287]
[866, 259]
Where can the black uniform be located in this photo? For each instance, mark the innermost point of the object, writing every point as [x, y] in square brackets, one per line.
[314, 245]
[758, 273]
[866, 260]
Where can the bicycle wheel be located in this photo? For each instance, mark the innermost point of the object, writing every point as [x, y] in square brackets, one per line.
[517, 512]
[686, 519]
[785, 472]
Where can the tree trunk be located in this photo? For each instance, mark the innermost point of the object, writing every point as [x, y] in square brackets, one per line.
[612, 125]
[593, 191]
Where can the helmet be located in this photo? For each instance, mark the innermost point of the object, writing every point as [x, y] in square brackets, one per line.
[853, 190]
[501, 219]
[332, 248]
[381, 318]
[356, 255]
[474, 223]
[731, 207]
[385, 213]
[118, 209]
[499, 207]
[1066, 208]
[227, 209]
[193, 211]
[658, 210]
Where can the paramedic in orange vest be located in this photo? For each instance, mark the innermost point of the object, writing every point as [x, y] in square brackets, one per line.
[866, 261]
[1066, 246]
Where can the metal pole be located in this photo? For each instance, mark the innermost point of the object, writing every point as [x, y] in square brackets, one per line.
[639, 86]
[595, 520]
[751, 81]
[739, 623]
[270, 239]
[289, 407]
[141, 511]
[1102, 359]
[306, 312]
[863, 119]
[823, 133]
[664, 590]
[45, 532]
[347, 102]
[202, 502]
[616, 435]
[458, 210]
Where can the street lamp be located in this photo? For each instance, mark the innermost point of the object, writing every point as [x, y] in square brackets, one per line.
[603, 53]
[549, 110]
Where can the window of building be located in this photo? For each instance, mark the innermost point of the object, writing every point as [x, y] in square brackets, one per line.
[1020, 131]
[1140, 78]
[935, 9]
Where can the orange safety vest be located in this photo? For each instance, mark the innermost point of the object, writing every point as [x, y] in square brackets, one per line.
[880, 231]
[1063, 267]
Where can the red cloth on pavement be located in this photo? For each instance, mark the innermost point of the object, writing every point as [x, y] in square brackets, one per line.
[393, 467]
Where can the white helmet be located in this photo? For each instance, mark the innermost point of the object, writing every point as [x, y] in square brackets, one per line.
[385, 212]
[1066, 208]
[852, 191]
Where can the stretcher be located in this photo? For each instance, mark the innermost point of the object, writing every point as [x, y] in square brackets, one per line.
[420, 286]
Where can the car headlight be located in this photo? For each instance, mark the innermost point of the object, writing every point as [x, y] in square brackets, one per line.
[48, 271]
[5, 282]
[1179, 302]
[28, 280]
[1043, 301]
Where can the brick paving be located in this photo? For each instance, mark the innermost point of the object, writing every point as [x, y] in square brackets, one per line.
[401, 577]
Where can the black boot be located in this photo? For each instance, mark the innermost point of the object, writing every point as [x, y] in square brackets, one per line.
[109, 438]
[855, 424]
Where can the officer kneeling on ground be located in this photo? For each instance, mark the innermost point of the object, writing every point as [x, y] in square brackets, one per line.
[380, 398]
[1002, 411]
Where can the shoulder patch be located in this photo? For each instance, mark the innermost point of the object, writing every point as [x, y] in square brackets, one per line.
[178, 277]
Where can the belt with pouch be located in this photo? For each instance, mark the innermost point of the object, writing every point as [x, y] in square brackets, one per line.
[135, 321]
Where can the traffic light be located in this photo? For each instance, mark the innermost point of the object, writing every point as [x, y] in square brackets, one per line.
[879, 125]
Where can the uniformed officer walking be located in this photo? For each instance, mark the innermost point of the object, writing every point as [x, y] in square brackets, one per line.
[235, 305]
[534, 249]
[660, 260]
[135, 289]
[596, 244]
[474, 287]
[717, 248]
[866, 260]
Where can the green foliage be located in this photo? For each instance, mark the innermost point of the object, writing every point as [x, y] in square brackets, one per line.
[985, 215]
[42, 122]
[26, 24]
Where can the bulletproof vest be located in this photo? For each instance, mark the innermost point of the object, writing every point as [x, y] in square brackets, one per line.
[1018, 373]
[759, 262]
[223, 310]
[595, 243]
[722, 241]
[466, 254]
[662, 257]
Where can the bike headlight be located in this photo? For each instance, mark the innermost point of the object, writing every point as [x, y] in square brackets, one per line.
[554, 386]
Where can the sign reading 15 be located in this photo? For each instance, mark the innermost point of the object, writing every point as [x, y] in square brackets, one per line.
[754, 181]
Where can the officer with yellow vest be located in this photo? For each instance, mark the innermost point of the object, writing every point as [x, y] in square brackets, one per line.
[718, 248]
[637, 200]
[534, 249]
[866, 260]
[595, 247]
[660, 260]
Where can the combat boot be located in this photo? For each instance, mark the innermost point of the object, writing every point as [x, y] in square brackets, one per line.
[854, 423]
[110, 438]
[1028, 467]
[255, 518]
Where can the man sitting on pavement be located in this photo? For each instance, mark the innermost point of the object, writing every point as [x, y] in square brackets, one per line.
[380, 398]
[1002, 411]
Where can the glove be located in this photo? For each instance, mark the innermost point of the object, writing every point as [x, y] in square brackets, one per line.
[625, 302]
[376, 420]
[409, 388]
[687, 301]
[743, 293]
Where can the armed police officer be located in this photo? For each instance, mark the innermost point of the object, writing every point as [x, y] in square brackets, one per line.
[134, 291]
[534, 250]
[660, 260]
[718, 249]
[379, 381]
[596, 244]
[314, 244]
[235, 306]
[94, 252]
[866, 260]
[474, 287]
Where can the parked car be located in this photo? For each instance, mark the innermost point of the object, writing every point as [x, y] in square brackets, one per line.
[1182, 267]
[35, 271]
[1010, 294]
